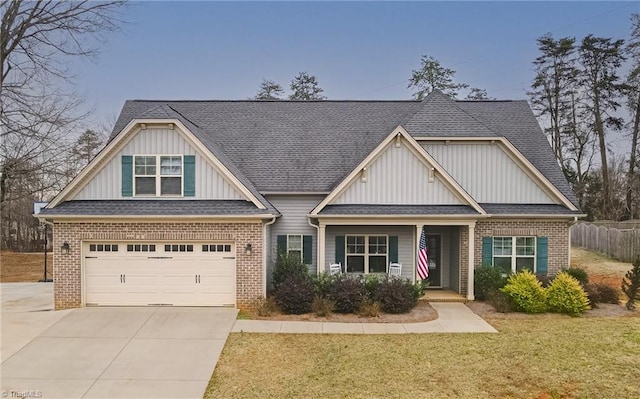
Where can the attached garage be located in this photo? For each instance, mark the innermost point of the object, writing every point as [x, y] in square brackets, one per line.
[159, 273]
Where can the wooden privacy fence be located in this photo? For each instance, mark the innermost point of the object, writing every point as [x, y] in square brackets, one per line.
[620, 244]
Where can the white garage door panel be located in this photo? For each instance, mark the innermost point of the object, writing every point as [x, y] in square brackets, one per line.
[159, 277]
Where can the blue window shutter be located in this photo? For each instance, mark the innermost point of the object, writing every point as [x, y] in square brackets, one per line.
[487, 251]
[127, 176]
[307, 249]
[542, 260]
[393, 248]
[189, 175]
[282, 245]
[340, 250]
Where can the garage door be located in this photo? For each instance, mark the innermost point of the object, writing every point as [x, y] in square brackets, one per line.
[172, 273]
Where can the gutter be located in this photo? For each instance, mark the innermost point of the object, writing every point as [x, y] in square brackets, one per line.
[264, 255]
[317, 227]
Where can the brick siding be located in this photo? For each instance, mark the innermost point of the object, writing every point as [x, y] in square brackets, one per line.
[556, 231]
[67, 268]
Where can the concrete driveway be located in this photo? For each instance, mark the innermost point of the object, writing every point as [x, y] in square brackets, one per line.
[117, 352]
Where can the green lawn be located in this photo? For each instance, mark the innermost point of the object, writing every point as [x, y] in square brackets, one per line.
[533, 358]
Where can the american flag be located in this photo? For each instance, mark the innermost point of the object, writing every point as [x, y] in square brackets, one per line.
[423, 269]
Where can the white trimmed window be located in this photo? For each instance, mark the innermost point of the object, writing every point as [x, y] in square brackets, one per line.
[367, 254]
[294, 245]
[514, 254]
[158, 175]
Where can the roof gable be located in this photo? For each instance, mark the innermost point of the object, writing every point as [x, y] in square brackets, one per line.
[445, 192]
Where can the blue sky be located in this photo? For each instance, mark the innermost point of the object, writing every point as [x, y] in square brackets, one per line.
[363, 50]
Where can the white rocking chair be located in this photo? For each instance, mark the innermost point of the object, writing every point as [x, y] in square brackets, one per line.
[395, 269]
[335, 268]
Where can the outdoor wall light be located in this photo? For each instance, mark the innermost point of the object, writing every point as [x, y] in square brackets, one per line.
[65, 248]
[248, 249]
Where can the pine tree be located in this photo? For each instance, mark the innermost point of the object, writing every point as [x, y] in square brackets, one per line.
[433, 76]
[269, 90]
[631, 285]
[305, 87]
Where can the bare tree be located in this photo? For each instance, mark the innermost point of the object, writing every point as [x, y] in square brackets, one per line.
[38, 111]
[306, 87]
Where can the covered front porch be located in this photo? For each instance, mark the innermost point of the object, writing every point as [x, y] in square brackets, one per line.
[369, 245]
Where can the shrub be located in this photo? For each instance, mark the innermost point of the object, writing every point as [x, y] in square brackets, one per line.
[398, 295]
[500, 301]
[286, 266]
[348, 293]
[631, 285]
[566, 295]
[544, 279]
[295, 294]
[322, 284]
[372, 285]
[264, 307]
[525, 292]
[579, 274]
[487, 279]
[370, 309]
[602, 293]
[322, 306]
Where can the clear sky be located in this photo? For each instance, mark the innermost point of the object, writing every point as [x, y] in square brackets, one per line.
[357, 50]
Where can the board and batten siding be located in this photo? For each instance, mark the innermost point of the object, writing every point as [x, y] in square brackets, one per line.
[406, 245]
[294, 210]
[396, 177]
[106, 184]
[486, 172]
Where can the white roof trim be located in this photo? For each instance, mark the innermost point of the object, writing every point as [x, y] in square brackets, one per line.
[526, 165]
[425, 157]
[158, 218]
[119, 141]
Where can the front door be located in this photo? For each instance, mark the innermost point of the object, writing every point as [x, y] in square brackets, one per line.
[434, 254]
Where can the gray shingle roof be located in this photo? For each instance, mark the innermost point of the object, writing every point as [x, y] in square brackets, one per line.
[310, 146]
[528, 209]
[136, 207]
[398, 210]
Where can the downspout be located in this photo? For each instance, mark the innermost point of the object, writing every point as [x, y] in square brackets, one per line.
[575, 221]
[317, 227]
[264, 254]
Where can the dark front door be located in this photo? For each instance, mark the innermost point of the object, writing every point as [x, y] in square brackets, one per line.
[434, 254]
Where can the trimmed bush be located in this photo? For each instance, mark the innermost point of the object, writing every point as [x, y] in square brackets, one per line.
[602, 293]
[348, 293]
[525, 292]
[398, 295]
[372, 285]
[566, 295]
[487, 279]
[322, 284]
[500, 301]
[631, 285]
[579, 274]
[322, 306]
[295, 294]
[286, 266]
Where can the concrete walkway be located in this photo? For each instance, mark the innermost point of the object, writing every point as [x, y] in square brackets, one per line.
[452, 318]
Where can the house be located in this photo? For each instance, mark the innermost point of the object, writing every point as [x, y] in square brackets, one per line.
[190, 201]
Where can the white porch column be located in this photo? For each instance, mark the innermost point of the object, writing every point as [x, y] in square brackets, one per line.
[471, 245]
[321, 243]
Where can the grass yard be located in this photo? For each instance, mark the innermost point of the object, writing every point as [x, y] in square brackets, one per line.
[600, 267]
[533, 358]
[24, 267]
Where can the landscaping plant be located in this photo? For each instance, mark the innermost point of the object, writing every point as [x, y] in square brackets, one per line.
[322, 306]
[579, 274]
[264, 307]
[566, 295]
[348, 293]
[631, 285]
[287, 265]
[295, 294]
[398, 295]
[370, 308]
[487, 279]
[525, 292]
[602, 293]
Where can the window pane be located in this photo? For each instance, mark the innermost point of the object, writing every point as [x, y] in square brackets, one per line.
[377, 264]
[227, 248]
[171, 165]
[145, 165]
[145, 185]
[503, 264]
[92, 247]
[114, 248]
[295, 242]
[502, 245]
[355, 264]
[170, 186]
[524, 263]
